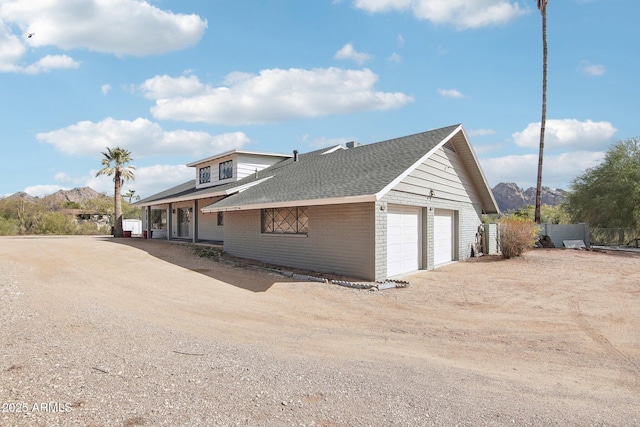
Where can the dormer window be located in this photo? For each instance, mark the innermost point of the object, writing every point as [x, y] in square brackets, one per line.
[226, 170]
[205, 174]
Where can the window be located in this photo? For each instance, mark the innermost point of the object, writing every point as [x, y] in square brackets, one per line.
[226, 169]
[205, 174]
[220, 218]
[285, 220]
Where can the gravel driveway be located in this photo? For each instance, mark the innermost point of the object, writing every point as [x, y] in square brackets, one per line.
[131, 332]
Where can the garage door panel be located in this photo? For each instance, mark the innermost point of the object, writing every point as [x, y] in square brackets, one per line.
[403, 239]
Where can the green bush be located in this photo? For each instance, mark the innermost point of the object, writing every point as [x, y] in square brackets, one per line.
[517, 235]
[56, 223]
[8, 227]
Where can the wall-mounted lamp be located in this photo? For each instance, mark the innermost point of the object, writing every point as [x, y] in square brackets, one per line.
[173, 211]
[432, 193]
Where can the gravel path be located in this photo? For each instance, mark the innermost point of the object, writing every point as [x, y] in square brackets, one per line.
[73, 360]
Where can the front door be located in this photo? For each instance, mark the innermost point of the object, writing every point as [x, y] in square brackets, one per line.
[184, 222]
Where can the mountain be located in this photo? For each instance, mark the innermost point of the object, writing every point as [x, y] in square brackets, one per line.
[511, 197]
[76, 195]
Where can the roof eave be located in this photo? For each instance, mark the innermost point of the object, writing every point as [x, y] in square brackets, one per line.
[292, 203]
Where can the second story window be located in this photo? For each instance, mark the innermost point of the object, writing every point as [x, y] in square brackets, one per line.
[226, 170]
[205, 175]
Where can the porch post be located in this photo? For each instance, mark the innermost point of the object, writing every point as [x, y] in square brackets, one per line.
[195, 221]
[169, 221]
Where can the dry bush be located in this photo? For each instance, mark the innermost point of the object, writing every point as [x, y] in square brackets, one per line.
[517, 235]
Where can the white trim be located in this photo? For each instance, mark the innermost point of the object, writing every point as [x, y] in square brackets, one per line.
[241, 188]
[406, 173]
[292, 203]
[230, 152]
[331, 150]
[183, 199]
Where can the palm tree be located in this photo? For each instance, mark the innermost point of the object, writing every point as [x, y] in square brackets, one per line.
[114, 162]
[130, 194]
[542, 5]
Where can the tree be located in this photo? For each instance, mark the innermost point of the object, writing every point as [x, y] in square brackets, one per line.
[130, 194]
[114, 162]
[608, 195]
[542, 5]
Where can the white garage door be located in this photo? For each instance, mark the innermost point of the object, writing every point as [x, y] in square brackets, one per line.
[403, 239]
[442, 237]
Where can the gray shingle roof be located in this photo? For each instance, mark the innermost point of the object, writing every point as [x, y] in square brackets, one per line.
[359, 171]
[365, 170]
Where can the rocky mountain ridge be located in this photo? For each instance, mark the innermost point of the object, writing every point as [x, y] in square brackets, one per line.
[510, 196]
[76, 195]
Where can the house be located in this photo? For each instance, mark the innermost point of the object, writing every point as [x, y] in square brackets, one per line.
[370, 211]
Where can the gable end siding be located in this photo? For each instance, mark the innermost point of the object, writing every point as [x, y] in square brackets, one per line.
[341, 240]
[444, 173]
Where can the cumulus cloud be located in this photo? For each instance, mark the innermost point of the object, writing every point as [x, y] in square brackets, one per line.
[462, 14]
[451, 93]
[142, 137]
[51, 62]
[348, 52]
[43, 190]
[149, 180]
[274, 95]
[120, 27]
[105, 89]
[567, 133]
[558, 170]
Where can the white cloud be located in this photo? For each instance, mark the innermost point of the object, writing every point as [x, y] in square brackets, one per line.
[567, 133]
[120, 27]
[105, 89]
[451, 93]
[148, 180]
[142, 137]
[348, 52]
[462, 14]
[51, 62]
[274, 95]
[592, 69]
[558, 170]
[400, 41]
[165, 86]
[43, 190]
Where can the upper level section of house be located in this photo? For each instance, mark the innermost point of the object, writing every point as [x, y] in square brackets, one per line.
[232, 166]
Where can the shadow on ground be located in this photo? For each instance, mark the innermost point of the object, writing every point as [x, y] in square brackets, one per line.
[242, 275]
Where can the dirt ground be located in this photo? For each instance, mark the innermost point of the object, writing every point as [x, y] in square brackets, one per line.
[551, 338]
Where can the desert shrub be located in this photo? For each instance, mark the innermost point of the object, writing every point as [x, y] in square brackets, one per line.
[8, 227]
[517, 235]
[56, 223]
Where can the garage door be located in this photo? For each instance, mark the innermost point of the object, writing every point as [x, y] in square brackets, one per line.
[403, 239]
[442, 237]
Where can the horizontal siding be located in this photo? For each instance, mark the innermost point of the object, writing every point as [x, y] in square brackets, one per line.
[243, 166]
[208, 228]
[341, 240]
[248, 163]
[444, 173]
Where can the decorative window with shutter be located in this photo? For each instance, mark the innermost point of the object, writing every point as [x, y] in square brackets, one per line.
[285, 220]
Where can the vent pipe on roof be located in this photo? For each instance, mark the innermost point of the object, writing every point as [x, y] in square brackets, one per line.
[295, 155]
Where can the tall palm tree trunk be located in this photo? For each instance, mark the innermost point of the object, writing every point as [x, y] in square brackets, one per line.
[117, 208]
[542, 5]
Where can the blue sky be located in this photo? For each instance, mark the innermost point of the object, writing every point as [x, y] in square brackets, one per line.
[175, 81]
